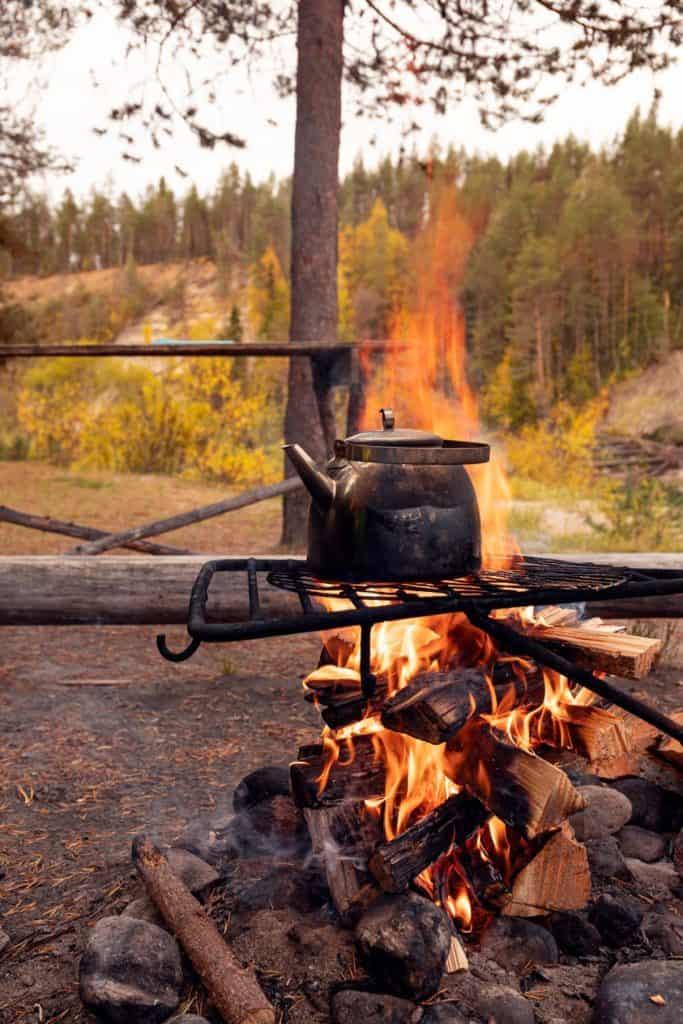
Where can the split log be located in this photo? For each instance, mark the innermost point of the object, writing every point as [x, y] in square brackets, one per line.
[342, 838]
[356, 774]
[615, 653]
[395, 864]
[195, 515]
[522, 789]
[45, 524]
[457, 957]
[436, 705]
[612, 740]
[557, 878]
[233, 990]
[671, 750]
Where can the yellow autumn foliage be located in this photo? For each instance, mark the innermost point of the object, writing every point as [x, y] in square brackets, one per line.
[193, 418]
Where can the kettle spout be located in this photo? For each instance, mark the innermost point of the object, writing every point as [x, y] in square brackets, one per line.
[318, 484]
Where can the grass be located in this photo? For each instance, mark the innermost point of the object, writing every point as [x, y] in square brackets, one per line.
[114, 501]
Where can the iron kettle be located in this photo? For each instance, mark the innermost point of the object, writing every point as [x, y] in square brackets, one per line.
[393, 504]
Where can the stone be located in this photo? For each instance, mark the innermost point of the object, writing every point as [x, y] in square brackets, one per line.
[664, 930]
[192, 871]
[443, 1013]
[656, 880]
[617, 921]
[654, 807]
[505, 1005]
[213, 840]
[513, 942]
[187, 1018]
[627, 993]
[285, 886]
[641, 843]
[4, 941]
[677, 853]
[605, 858]
[143, 910]
[606, 810]
[271, 780]
[130, 972]
[351, 1007]
[404, 943]
[574, 933]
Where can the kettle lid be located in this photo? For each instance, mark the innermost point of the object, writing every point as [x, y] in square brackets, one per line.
[401, 437]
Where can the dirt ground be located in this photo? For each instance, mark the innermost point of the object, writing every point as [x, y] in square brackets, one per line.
[100, 739]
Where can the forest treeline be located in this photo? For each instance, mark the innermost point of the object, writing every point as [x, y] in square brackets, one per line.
[574, 277]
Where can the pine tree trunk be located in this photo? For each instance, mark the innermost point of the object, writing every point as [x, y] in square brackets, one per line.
[314, 236]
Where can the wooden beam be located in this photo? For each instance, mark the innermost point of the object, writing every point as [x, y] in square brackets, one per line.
[193, 348]
[46, 590]
[129, 590]
[195, 515]
[45, 524]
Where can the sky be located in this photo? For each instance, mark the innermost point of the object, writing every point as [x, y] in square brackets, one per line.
[71, 107]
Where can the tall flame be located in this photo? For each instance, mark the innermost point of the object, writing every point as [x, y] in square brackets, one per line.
[426, 380]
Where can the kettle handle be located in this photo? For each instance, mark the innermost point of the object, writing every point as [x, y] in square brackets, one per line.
[388, 419]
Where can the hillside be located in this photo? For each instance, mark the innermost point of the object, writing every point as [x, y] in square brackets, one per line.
[650, 403]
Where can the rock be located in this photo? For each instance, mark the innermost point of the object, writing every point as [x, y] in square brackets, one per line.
[504, 1005]
[606, 810]
[656, 880]
[654, 807]
[514, 942]
[641, 843]
[144, 910]
[271, 780]
[187, 1018]
[605, 858]
[281, 887]
[677, 853]
[404, 942]
[4, 941]
[349, 1007]
[665, 930]
[443, 1013]
[194, 872]
[211, 840]
[574, 933]
[130, 972]
[617, 921]
[626, 994]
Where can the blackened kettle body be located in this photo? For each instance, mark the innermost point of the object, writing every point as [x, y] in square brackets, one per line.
[393, 505]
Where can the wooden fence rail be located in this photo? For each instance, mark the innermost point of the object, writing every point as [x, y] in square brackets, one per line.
[284, 349]
[41, 590]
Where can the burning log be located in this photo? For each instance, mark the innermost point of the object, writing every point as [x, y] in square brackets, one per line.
[233, 990]
[557, 878]
[342, 837]
[434, 706]
[601, 650]
[358, 775]
[669, 749]
[522, 789]
[396, 863]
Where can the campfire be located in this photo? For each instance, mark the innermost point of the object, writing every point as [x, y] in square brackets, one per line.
[437, 781]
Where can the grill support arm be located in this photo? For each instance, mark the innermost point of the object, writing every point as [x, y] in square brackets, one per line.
[517, 643]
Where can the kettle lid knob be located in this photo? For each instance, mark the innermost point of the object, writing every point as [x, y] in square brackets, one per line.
[387, 419]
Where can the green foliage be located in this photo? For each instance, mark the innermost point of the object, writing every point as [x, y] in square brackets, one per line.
[195, 419]
[269, 297]
[640, 513]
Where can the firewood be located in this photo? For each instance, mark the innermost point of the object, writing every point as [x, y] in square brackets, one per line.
[342, 837]
[396, 863]
[601, 650]
[612, 740]
[233, 990]
[557, 878]
[357, 774]
[671, 750]
[457, 957]
[436, 705]
[522, 789]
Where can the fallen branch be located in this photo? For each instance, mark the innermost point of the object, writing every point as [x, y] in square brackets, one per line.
[48, 525]
[233, 990]
[195, 515]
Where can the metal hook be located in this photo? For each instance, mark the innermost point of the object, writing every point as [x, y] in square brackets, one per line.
[176, 655]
